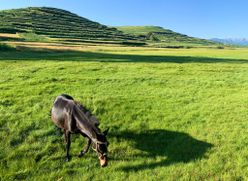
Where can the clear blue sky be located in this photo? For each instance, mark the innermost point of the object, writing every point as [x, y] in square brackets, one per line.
[199, 18]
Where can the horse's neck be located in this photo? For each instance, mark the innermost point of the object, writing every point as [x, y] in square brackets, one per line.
[85, 125]
[87, 128]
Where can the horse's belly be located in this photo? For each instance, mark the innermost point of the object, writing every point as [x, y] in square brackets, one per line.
[58, 118]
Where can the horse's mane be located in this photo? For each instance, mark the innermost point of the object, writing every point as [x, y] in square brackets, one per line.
[93, 120]
[89, 115]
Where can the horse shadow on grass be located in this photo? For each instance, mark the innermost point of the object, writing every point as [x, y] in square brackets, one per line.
[174, 147]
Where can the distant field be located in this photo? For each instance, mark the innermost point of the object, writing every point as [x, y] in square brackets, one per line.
[173, 114]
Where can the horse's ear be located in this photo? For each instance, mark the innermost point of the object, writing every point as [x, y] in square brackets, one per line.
[105, 132]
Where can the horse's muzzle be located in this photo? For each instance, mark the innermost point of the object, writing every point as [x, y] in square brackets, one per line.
[103, 161]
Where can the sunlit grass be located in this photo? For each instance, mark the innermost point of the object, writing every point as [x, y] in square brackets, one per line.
[173, 114]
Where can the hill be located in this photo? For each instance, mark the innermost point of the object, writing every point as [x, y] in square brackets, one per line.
[159, 34]
[57, 23]
[44, 24]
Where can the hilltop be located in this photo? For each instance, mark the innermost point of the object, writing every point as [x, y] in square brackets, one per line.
[159, 34]
[141, 30]
[57, 23]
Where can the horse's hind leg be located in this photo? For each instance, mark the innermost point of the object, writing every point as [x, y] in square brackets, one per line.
[86, 148]
[68, 144]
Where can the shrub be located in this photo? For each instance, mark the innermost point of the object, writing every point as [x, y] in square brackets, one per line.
[33, 37]
[133, 43]
[220, 47]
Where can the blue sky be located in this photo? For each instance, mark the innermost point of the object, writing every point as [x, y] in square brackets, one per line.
[199, 18]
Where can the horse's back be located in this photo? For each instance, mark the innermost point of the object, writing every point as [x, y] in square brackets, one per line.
[66, 112]
[61, 111]
[66, 96]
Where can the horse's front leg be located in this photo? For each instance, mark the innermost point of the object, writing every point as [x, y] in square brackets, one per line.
[86, 148]
[68, 144]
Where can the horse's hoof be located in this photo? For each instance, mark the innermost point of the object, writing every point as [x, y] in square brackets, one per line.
[67, 159]
[81, 154]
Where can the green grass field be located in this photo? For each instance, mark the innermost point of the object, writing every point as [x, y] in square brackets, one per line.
[173, 114]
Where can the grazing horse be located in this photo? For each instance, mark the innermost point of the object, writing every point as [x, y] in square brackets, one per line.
[73, 117]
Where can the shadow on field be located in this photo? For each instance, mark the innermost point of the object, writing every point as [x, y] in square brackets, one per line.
[49, 55]
[175, 147]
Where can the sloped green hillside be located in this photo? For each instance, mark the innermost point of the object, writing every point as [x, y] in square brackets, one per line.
[159, 34]
[57, 23]
[44, 24]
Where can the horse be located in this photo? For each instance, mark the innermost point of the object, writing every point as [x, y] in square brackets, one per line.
[73, 117]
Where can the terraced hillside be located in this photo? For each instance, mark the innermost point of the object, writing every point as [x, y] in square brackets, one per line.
[43, 24]
[57, 23]
[159, 34]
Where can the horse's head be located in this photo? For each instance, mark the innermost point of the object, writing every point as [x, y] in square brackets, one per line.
[101, 147]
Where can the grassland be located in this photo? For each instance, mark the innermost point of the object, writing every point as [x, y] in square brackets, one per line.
[173, 114]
